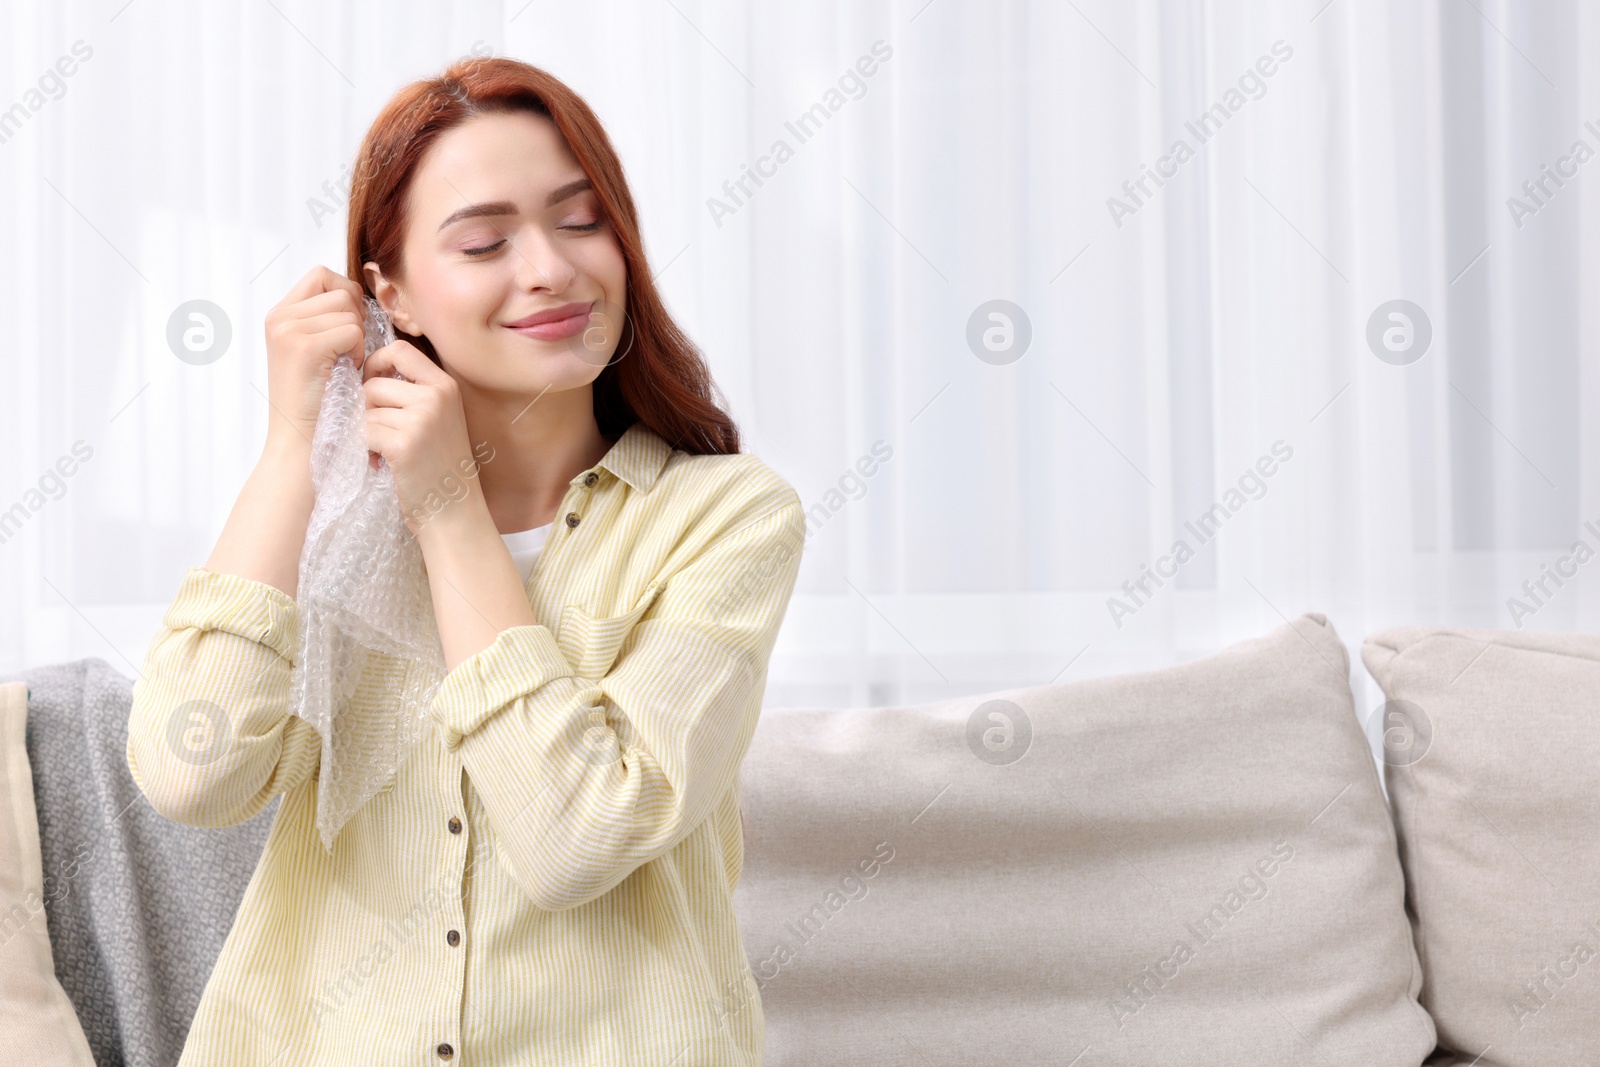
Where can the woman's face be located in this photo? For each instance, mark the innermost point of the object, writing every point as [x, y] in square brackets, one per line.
[503, 226]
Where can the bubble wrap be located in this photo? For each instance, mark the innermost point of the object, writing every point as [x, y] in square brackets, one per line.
[366, 613]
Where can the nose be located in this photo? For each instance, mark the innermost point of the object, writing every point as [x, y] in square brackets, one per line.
[542, 266]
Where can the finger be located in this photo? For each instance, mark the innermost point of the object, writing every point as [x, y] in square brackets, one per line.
[323, 303]
[337, 333]
[389, 418]
[331, 320]
[374, 448]
[399, 357]
[383, 436]
[316, 315]
[392, 393]
[319, 280]
[395, 426]
[408, 360]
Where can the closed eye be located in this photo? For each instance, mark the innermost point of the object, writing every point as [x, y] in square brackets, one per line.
[588, 227]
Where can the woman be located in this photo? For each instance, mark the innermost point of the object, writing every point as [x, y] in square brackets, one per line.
[520, 894]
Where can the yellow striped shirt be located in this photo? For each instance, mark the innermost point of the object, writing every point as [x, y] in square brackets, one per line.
[547, 880]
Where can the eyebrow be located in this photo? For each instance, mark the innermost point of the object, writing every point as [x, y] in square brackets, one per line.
[506, 207]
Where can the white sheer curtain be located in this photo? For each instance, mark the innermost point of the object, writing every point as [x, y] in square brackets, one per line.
[972, 516]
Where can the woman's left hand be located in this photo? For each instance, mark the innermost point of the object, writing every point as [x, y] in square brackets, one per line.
[420, 429]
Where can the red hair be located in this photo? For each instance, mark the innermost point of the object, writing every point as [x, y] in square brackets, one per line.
[664, 382]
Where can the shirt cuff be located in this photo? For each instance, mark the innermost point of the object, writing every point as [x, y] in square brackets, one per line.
[520, 661]
[208, 600]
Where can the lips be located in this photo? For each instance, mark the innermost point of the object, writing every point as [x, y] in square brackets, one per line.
[556, 323]
[565, 311]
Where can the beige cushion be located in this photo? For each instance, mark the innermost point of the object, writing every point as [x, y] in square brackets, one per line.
[38, 1025]
[1193, 865]
[1499, 823]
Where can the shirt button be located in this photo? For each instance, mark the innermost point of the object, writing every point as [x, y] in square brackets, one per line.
[590, 478]
[454, 937]
[455, 825]
[445, 1051]
[572, 518]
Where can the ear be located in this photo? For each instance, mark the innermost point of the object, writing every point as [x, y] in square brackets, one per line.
[390, 299]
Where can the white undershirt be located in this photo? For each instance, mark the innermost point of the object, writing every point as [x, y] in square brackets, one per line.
[525, 546]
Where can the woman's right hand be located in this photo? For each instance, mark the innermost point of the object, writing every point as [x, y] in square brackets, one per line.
[319, 320]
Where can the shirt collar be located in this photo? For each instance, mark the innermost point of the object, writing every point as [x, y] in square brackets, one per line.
[636, 457]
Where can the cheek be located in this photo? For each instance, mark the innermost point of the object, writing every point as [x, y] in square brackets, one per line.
[602, 260]
[456, 298]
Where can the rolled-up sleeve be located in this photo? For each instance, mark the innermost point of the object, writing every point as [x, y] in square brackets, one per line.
[211, 738]
[586, 779]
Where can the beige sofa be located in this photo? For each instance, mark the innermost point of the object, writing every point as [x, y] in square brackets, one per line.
[1195, 865]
